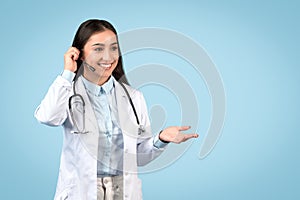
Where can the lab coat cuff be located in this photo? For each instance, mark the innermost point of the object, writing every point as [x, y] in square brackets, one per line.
[158, 143]
[68, 75]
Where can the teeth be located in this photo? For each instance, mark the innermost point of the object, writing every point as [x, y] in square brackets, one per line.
[105, 65]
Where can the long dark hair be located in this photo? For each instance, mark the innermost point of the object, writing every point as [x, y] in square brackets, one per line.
[83, 34]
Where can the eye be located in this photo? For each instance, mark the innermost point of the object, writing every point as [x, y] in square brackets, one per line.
[114, 48]
[99, 49]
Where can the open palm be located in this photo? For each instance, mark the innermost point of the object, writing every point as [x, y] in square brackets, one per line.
[174, 134]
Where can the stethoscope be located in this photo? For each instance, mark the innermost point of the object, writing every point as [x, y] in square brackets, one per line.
[141, 128]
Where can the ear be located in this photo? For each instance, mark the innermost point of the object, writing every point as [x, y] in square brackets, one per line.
[82, 58]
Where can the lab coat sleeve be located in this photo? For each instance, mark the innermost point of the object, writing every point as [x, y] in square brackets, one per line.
[146, 148]
[53, 109]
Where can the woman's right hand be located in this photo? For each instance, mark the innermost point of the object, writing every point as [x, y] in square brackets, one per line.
[70, 58]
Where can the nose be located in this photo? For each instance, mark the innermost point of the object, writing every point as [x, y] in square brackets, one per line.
[107, 55]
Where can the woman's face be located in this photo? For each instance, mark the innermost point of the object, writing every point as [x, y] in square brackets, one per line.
[100, 56]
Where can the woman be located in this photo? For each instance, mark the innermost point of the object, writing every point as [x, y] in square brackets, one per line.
[106, 126]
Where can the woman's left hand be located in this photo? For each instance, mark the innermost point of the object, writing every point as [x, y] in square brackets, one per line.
[173, 134]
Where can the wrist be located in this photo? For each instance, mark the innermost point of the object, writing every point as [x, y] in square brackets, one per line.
[70, 69]
[68, 75]
[159, 137]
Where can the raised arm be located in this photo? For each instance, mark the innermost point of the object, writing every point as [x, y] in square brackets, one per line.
[53, 108]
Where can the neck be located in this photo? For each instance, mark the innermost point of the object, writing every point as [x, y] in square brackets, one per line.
[102, 80]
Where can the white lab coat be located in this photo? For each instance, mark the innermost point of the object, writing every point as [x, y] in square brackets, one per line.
[78, 166]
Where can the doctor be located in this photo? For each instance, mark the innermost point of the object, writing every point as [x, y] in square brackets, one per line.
[107, 132]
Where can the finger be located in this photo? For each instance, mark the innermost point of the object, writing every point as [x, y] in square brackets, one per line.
[70, 53]
[73, 53]
[75, 56]
[189, 136]
[184, 128]
[73, 50]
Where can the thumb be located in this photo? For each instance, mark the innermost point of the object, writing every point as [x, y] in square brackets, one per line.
[184, 128]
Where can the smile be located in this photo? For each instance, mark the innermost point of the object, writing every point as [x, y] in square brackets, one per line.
[105, 65]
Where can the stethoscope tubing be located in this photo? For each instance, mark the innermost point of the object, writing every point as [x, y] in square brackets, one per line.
[141, 129]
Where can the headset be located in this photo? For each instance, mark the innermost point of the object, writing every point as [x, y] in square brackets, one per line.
[141, 128]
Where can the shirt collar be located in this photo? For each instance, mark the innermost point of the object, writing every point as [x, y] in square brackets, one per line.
[98, 90]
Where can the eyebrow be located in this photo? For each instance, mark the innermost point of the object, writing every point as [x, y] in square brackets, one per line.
[101, 44]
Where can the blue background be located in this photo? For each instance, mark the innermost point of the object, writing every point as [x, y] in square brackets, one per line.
[255, 46]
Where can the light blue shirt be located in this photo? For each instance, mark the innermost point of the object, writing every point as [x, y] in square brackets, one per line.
[103, 101]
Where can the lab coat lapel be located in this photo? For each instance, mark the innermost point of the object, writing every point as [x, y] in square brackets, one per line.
[126, 116]
[121, 103]
[129, 131]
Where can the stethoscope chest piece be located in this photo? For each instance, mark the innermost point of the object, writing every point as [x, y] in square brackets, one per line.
[141, 130]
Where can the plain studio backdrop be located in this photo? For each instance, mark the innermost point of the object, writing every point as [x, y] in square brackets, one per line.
[255, 47]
